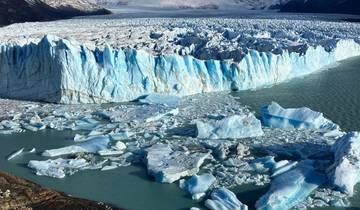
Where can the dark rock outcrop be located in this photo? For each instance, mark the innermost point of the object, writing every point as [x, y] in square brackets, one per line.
[19, 194]
[14, 11]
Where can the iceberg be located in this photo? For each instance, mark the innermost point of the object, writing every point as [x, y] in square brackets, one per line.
[168, 166]
[224, 199]
[94, 145]
[166, 100]
[233, 127]
[346, 172]
[276, 116]
[58, 168]
[198, 185]
[290, 188]
[65, 71]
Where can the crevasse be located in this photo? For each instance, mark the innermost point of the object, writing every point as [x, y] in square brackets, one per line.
[62, 71]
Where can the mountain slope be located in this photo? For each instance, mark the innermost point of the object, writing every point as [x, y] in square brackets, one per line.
[322, 6]
[13, 11]
[203, 4]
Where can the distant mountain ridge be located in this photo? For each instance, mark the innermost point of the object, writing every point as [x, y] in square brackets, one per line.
[13, 11]
[322, 6]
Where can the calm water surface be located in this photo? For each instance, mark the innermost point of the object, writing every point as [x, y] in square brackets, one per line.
[335, 92]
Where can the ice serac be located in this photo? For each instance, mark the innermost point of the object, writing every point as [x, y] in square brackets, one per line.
[63, 71]
[291, 187]
[233, 127]
[303, 118]
[224, 199]
[346, 173]
[168, 166]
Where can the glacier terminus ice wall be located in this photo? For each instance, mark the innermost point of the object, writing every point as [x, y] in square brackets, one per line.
[62, 71]
[98, 61]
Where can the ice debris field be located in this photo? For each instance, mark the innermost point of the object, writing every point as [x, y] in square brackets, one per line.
[208, 144]
[117, 60]
[305, 158]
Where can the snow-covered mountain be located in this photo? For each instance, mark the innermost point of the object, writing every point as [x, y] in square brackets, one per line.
[12, 11]
[322, 6]
[212, 4]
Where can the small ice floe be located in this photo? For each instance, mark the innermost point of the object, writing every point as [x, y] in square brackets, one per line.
[290, 188]
[346, 169]
[233, 127]
[118, 136]
[90, 146]
[168, 166]
[198, 185]
[276, 116]
[166, 100]
[108, 152]
[58, 168]
[224, 199]
[172, 112]
[16, 154]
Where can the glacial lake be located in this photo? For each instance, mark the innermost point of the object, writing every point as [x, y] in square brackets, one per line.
[335, 92]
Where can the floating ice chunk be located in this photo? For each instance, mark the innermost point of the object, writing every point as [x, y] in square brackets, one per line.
[86, 124]
[121, 135]
[303, 118]
[268, 164]
[91, 146]
[108, 152]
[110, 167]
[346, 173]
[237, 126]
[290, 188]
[79, 138]
[198, 185]
[167, 166]
[166, 100]
[119, 145]
[224, 199]
[172, 112]
[194, 208]
[15, 154]
[57, 168]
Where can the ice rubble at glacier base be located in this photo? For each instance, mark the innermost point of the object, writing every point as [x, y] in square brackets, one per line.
[127, 139]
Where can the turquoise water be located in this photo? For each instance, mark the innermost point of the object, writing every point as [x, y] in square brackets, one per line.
[335, 92]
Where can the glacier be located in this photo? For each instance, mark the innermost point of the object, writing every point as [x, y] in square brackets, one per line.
[65, 71]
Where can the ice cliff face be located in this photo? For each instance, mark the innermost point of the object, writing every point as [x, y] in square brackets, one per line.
[62, 71]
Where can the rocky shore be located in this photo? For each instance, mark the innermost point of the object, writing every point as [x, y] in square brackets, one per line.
[20, 194]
